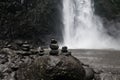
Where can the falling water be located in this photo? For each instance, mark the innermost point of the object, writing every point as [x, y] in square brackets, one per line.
[82, 28]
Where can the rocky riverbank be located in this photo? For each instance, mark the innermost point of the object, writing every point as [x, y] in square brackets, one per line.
[26, 62]
[105, 62]
[36, 63]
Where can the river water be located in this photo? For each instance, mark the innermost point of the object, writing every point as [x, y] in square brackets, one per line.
[107, 61]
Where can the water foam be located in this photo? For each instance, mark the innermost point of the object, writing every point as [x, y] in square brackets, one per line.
[82, 28]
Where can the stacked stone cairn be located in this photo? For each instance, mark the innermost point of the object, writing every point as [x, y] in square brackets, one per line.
[54, 48]
[64, 51]
[26, 46]
[41, 53]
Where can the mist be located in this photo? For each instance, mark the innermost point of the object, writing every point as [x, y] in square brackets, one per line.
[83, 29]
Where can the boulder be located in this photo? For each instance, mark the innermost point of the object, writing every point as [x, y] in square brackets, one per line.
[89, 73]
[52, 68]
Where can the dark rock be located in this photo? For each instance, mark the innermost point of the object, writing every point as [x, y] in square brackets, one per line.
[41, 53]
[41, 50]
[52, 68]
[26, 47]
[23, 53]
[9, 46]
[68, 54]
[89, 73]
[64, 49]
[53, 41]
[65, 52]
[54, 52]
[34, 51]
[97, 77]
[107, 76]
[3, 57]
[54, 46]
[3, 61]
[19, 42]
[1, 75]
[14, 68]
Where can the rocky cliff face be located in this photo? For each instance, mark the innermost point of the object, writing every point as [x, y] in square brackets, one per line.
[30, 19]
[109, 11]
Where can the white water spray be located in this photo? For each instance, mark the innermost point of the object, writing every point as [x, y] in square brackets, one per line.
[82, 28]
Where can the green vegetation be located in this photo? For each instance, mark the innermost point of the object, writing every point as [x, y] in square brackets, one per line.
[29, 19]
[108, 8]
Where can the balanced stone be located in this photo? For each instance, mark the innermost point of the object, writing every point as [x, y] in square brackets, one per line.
[53, 41]
[54, 46]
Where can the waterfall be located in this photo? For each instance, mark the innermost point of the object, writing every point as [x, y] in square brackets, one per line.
[82, 28]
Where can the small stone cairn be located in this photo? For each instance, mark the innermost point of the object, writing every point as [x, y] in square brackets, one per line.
[41, 53]
[26, 46]
[64, 51]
